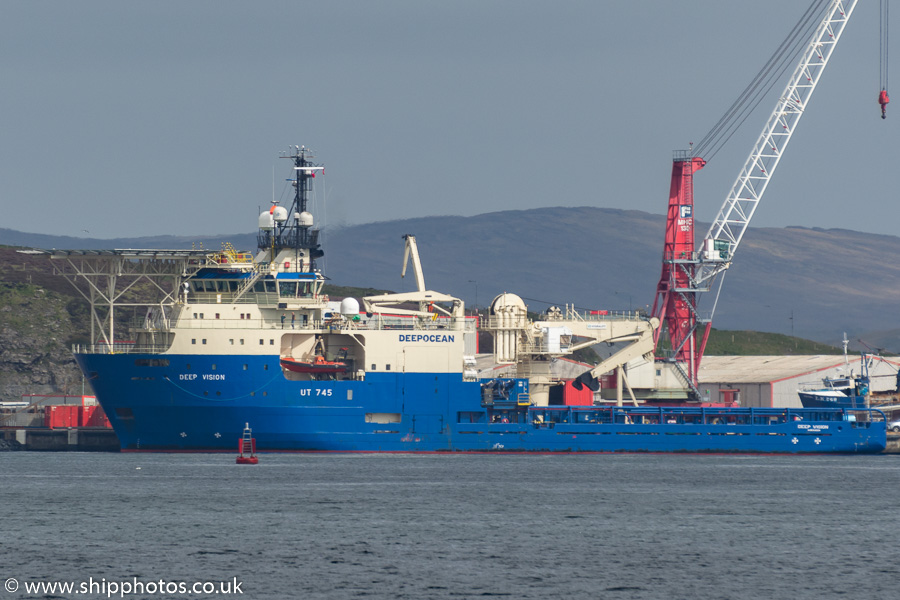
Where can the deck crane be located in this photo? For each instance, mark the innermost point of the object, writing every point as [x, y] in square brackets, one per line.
[426, 299]
[412, 251]
[688, 272]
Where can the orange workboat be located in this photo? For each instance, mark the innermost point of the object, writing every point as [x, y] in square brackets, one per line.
[317, 365]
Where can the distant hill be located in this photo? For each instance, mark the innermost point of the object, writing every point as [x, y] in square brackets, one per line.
[10, 237]
[756, 343]
[812, 283]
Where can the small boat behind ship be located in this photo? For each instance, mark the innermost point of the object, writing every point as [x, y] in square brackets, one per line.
[846, 391]
[837, 392]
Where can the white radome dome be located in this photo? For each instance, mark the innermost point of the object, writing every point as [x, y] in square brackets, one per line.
[349, 307]
[266, 221]
[280, 214]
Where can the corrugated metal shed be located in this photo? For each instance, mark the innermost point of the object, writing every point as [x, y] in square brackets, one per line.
[757, 369]
[770, 381]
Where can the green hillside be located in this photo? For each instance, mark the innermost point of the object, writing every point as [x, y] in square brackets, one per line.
[756, 343]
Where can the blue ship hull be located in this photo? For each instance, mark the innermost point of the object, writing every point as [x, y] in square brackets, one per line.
[202, 402]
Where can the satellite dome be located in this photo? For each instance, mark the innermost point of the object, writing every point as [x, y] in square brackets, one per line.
[266, 222]
[305, 219]
[280, 214]
[349, 307]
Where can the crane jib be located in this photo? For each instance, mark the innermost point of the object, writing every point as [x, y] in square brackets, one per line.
[687, 273]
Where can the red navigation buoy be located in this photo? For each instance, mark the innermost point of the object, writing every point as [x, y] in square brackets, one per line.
[247, 448]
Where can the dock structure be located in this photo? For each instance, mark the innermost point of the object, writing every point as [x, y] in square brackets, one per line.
[56, 423]
[77, 439]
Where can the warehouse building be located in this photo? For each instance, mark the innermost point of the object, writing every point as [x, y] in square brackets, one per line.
[773, 381]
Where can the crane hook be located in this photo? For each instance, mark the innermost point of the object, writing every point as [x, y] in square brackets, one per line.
[883, 100]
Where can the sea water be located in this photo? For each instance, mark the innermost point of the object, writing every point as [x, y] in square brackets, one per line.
[454, 526]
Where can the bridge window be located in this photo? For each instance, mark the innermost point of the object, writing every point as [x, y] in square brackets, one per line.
[287, 288]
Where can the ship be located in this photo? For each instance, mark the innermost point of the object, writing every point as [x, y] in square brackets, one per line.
[849, 391]
[243, 339]
[837, 392]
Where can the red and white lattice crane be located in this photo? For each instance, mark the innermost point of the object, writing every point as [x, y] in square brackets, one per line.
[687, 271]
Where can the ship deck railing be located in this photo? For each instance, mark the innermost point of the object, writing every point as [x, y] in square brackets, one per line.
[496, 322]
[696, 415]
[120, 347]
[209, 321]
[267, 299]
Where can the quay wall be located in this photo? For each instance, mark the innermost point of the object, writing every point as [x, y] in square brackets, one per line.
[81, 439]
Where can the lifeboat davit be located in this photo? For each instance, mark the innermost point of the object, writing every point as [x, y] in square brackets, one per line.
[317, 365]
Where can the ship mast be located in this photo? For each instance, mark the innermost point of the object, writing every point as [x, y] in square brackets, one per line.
[289, 234]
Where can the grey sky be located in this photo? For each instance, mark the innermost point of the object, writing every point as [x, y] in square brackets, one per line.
[145, 118]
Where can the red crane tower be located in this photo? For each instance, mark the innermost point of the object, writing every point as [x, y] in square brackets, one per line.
[687, 272]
